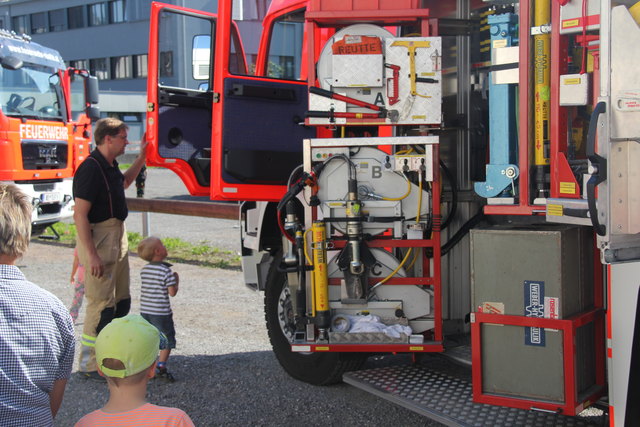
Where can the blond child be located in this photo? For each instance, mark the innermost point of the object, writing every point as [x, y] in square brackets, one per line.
[159, 282]
[126, 353]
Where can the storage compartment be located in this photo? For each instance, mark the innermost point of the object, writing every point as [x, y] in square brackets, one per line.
[537, 333]
[510, 367]
[541, 272]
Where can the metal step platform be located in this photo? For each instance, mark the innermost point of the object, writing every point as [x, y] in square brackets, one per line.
[448, 399]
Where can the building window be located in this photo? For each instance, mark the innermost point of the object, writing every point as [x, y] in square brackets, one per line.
[121, 67]
[116, 9]
[57, 20]
[98, 67]
[76, 17]
[166, 64]
[38, 23]
[98, 14]
[79, 64]
[19, 24]
[140, 66]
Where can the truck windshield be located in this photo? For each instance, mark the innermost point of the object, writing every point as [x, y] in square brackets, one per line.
[31, 91]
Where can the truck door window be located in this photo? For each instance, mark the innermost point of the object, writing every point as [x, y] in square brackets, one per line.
[285, 47]
[179, 35]
[78, 99]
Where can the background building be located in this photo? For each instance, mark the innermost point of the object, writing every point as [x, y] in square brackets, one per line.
[110, 38]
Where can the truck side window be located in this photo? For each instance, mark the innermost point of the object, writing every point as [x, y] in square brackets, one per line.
[285, 47]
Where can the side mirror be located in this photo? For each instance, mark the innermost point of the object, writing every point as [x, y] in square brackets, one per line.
[11, 63]
[93, 112]
[91, 89]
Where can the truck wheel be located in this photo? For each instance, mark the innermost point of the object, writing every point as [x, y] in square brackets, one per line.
[312, 368]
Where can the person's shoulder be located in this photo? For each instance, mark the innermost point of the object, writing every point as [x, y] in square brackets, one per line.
[173, 416]
[88, 167]
[89, 420]
[34, 292]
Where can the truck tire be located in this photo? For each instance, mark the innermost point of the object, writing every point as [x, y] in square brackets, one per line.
[312, 368]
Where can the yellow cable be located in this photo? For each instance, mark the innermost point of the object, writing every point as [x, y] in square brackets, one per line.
[383, 281]
[415, 257]
[395, 199]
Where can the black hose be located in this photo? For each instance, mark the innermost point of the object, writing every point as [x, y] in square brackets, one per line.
[454, 195]
[466, 227]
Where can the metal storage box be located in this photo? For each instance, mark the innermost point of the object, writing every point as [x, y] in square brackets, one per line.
[549, 273]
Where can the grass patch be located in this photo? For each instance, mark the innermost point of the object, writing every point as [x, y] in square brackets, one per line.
[179, 250]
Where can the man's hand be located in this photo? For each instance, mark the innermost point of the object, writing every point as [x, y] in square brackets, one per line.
[97, 267]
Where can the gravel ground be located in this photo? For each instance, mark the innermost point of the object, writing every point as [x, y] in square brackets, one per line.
[226, 373]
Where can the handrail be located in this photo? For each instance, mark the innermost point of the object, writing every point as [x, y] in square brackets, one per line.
[181, 207]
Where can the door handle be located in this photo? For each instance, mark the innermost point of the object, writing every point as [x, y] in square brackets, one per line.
[598, 168]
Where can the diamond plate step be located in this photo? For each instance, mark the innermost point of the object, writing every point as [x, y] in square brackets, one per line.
[447, 399]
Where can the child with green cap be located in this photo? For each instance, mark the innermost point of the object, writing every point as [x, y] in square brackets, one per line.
[126, 352]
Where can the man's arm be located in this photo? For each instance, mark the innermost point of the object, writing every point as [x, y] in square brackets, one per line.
[133, 171]
[56, 395]
[81, 218]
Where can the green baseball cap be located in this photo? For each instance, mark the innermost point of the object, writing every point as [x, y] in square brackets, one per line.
[131, 340]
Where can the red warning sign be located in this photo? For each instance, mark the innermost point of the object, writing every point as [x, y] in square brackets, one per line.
[358, 45]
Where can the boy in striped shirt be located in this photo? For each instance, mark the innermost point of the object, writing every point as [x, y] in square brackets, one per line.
[158, 283]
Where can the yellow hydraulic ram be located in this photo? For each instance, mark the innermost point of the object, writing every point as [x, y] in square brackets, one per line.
[320, 276]
[542, 56]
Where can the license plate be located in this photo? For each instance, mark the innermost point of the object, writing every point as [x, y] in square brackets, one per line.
[50, 197]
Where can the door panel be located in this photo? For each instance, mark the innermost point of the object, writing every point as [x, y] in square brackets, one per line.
[259, 140]
[262, 137]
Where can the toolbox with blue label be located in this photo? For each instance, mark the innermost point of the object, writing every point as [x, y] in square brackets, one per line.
[537, 324]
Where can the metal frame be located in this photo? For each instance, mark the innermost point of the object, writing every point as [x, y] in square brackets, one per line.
[572, 404]
[434, 279]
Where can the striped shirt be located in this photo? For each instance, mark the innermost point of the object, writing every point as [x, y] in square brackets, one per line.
[147, 415]
[36, 349]
[156, 278]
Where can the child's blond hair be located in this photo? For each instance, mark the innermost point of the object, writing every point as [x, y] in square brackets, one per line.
[147, 247]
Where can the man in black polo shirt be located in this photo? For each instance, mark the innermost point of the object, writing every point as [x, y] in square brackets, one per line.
[100, 211]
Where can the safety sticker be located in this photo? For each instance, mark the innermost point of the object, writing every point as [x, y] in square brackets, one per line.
[567, 188]
[491, 307]
[534, 307]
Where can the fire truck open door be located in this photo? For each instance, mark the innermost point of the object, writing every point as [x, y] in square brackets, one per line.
[228, 135]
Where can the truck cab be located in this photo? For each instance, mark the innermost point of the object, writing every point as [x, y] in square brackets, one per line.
[46, 131]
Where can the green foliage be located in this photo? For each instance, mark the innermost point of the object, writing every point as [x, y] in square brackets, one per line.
[179, 250]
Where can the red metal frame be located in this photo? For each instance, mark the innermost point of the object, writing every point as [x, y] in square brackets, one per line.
[572, 405]
[329, 14]
[434, 280]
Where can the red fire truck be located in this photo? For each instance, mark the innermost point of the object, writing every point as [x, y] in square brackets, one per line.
[431, 178]
[45, 117]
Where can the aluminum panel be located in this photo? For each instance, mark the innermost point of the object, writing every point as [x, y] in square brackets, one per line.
[447, 399]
